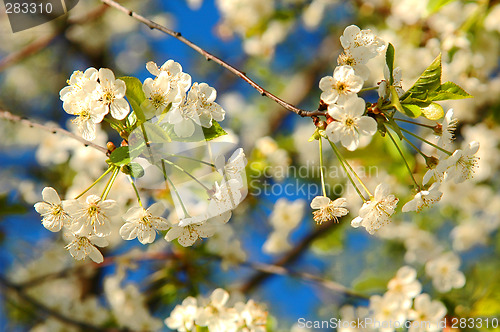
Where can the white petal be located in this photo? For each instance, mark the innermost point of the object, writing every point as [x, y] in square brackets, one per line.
[319, 202]
[367, 125]
[119, 109]
[50, 195]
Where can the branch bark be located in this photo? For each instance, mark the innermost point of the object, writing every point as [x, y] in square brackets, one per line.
[14, 118]
[153, 25]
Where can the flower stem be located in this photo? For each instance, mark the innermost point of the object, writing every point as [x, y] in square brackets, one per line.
[110, 183]
[369, 89]
[186, 214]
[96, 181]
[322, 175]
[416, 148]
[116, 123]
[187, 173]
[415, 123]
[402, 156]
[135, 189]
[426, 141]
[337, 153]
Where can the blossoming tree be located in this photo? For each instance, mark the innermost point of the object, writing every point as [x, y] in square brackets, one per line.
[169, 204]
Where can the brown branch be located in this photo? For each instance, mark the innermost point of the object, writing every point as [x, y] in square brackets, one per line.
[14, 118]
[209, 56]
[290, 257]
[40, 43]
[6, 284]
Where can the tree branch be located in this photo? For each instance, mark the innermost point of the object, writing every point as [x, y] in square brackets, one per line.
[153, 25]
[14, 118]
[6, 284]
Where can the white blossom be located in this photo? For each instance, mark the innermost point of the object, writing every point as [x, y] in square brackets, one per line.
[426, 314]
[327, 209]
[343, 84]
[445, 273]
[234, 168]
[92, 217]
[182, 318]
[388, 308]
[202, 101]
[405, 284]
[144, 224]
[251, 316]
[54, 216]
[463, 163]
[350, 123]
[83, 246]
[363, 44]
[216, 316]
[111, 93]
[423, 198]
[88, 115]
[376, 212]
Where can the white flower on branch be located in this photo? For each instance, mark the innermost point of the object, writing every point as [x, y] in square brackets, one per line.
[405, 284]
[389, 308]
[350, 123]
[448, 128]
[252, 317]
[343, 84]
[327, 209]
[376, 212]
[158, 95]
[144, 224]
[92, 217]
[215, 315]
[111, 94]
[423, 198]
[235, 166]
[83, 246]
[445, 273]
[183, 316]
[463, 163]
[426, 315]
[188, 230]
[54, 216]
[201, 98]
[363, 44]
[89, 114]
[80, 84]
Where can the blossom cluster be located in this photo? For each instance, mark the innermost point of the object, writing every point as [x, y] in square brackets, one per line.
[403, 301]
[216, 315]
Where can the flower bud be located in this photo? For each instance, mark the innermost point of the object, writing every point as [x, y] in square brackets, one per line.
[110, 146]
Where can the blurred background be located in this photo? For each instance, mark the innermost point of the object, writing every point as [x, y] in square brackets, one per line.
[286, 46]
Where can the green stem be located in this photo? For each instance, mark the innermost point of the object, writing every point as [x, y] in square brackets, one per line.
[337, 153]
[187, 173]
[426, 141]
[96, 181]
[355, 174]
[321, 166]
[135, 189]
[110, 183]
[415, 123]
[402, 156]
[369, 89]
[415, 147]
[186, 214]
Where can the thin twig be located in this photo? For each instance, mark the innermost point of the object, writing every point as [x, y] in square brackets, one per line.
[209, 56]
[14, 118]
[19, 291]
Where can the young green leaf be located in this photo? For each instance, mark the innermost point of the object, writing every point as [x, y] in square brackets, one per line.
[430, 80]
[120, 156]
[447, 91]
[133, 169]
[433, 112]
[413, 111]
[389, 60]
[135, 96]
[214, 131]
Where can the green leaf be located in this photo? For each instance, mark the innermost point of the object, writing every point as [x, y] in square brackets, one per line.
[447, 91]
[214, 131]
[135, 95]
[433, 112]
[133, 169]
[120, 156]
[395, 100]
[430, 80]
[413, 111]
[435, 5]
[389, 60]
